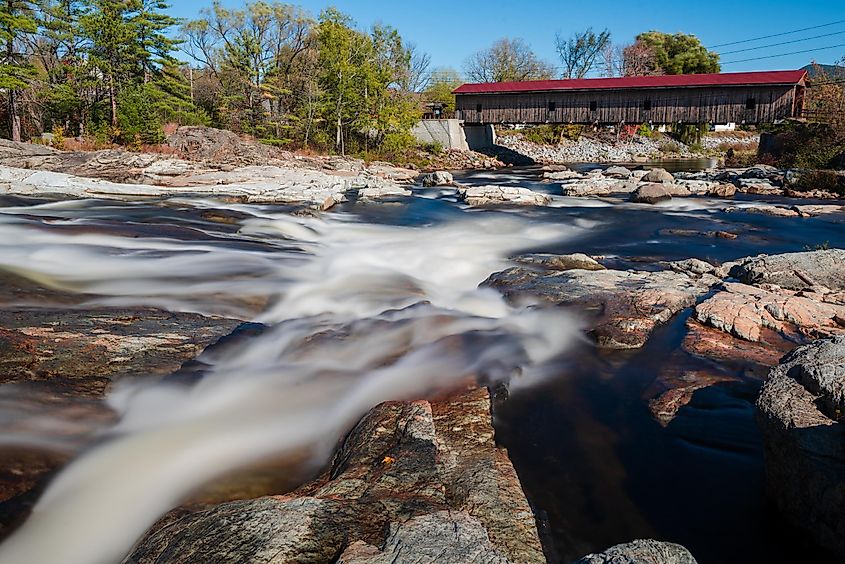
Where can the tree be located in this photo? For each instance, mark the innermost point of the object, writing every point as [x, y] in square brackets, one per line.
[580, 53]
[112, 50]
[418, 75]
[677, 53]
[439, 91]
[507, 60]
[16, 20]
[153, 46]
[253, 55]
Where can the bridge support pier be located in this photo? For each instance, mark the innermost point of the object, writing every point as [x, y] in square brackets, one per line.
[480, 137]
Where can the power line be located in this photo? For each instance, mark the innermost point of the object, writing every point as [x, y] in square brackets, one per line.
[784, 54]
[776, 35]
[782, 43]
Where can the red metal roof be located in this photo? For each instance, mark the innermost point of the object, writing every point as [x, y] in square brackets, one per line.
[666, 81]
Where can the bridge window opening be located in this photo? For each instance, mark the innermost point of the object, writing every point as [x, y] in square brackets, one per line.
[478, 108]
[594, 106]
[647, 105]
[751, 104]
[552, 107]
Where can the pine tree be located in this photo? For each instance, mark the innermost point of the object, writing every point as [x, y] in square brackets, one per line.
[153, 47]
[112, 48]
[16, 20]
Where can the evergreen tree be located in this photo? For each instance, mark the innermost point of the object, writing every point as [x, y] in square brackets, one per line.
[153, 48]
[16, 20]
[112, 48]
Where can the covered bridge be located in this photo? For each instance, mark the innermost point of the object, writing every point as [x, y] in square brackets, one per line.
[742, 97]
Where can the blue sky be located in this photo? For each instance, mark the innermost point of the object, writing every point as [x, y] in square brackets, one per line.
[451, 30]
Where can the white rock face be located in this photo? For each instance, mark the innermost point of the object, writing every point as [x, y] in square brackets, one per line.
[267, 184]
[492, 195]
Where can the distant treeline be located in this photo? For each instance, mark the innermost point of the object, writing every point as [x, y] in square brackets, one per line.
[119, 71]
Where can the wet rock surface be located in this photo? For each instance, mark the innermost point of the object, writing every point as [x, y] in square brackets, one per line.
[418, 481]
[58, 356]
[624, 306]
[641, 552]
[800, 412]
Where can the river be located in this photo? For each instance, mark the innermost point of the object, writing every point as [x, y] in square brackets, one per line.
[377, 301]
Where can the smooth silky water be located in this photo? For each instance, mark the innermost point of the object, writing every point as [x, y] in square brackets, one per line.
[378, 301]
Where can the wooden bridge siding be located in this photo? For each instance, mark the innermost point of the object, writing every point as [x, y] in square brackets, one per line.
[685, 105]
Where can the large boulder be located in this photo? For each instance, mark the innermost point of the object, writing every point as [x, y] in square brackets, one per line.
[641, 552]
[596, 186]
[659, 175]
[618, 172]
[426, 477]
[651, 193]
[437, 178]
[498, 195]
[722, 190]
[800, 413]
[795, 271]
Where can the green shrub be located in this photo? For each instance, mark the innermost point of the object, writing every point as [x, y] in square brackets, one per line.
[645, 130]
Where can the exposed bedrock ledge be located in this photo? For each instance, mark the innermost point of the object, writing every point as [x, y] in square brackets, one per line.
[625, 306]
[422, 481]
[801, 412]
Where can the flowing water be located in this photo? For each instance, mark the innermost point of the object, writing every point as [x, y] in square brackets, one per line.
[379, 301]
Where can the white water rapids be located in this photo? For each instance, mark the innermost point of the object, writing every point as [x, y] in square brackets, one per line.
[357, 314]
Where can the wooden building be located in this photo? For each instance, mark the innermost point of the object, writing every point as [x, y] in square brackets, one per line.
[744, 97]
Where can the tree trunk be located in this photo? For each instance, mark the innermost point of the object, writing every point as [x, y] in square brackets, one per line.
[113, 100]
[14, 117]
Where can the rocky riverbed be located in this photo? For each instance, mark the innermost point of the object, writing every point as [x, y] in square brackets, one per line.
[515, 366]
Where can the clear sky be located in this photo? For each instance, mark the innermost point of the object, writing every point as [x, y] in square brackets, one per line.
[451, 30]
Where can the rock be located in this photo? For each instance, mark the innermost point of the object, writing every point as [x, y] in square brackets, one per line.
[424, 476]
[494, 194]
[438, 178]
[650, 194]
[693, 266]
[626, 305]
[618, 172]
[744, 311]
[658, 175]
[252, 184]
[596, 186]
[677, 190]
[800, 413]
[641, 552]
[818, 209]
[375, 189]
[795, 271]
[759, 187]
[575, 261]
[777, 211]
[722, 190]
[696, 187]
[444, 536]
[564, 174]
[761, 171]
